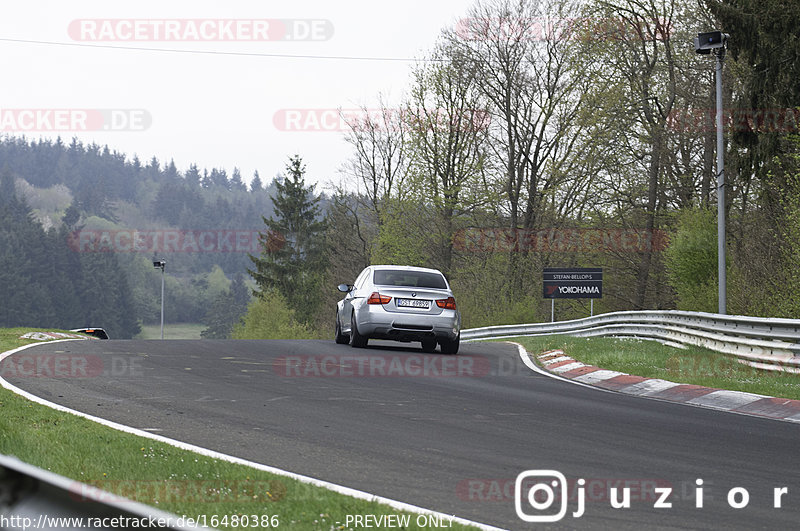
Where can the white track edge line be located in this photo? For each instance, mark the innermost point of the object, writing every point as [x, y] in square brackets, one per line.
[347, 491]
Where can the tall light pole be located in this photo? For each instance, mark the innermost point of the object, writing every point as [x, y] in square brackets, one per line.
[159, 264]
[705, 43]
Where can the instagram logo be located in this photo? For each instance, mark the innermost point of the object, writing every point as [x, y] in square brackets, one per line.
[543, 495]
[537, 491]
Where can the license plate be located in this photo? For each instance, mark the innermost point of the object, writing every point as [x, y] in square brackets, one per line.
[413, 303]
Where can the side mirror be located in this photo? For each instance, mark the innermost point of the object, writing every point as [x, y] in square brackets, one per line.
[344, 288]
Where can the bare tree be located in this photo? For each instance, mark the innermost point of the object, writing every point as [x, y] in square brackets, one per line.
[448, 127]
[528, 67]
[639, 53]
[379, 163]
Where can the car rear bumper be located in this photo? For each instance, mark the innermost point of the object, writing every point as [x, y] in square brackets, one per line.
[374, 322]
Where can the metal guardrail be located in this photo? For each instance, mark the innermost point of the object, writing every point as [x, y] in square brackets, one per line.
[31, 497]
[764, 343]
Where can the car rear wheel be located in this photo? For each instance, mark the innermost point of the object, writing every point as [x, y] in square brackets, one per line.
[356, 339]
[341, 338]
[450, 346]
[429, 345]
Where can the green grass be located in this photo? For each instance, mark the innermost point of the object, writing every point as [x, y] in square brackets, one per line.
[160, 475]
[172, 331]
[650, 359]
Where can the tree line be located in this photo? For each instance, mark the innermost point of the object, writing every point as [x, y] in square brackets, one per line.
[106, 190]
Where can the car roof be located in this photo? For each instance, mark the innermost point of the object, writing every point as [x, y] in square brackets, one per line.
[405, 268]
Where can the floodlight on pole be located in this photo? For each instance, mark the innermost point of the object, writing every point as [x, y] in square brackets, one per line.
[159, 264]
[706, 43]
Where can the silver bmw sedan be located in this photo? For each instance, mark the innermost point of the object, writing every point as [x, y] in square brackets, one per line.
[400, 303]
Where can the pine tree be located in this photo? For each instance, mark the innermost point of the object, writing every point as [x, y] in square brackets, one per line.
[256, 185]
[153, 169]
[192, 176]
[171, 171]
[71, 216]
[219, 178]
[764, 41]
[8, 192]
[294, 268]
[236, 183]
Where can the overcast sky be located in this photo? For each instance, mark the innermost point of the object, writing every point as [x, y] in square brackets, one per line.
[216, 110]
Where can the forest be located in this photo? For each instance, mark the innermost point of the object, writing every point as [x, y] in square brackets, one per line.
[69, 195]
[534, 134]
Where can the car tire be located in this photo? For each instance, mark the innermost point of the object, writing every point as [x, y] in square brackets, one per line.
[341, 339]
[356, 339]
[450, 346]
[429, 345]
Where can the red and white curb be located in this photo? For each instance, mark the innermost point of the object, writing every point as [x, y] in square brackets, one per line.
[555, 361]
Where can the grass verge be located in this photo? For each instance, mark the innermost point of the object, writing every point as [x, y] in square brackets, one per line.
[650, 359]
[169, 478]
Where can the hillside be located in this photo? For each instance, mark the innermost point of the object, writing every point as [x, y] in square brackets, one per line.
[103, 206]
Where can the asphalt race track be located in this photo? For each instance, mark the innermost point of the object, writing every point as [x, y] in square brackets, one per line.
[449, 433]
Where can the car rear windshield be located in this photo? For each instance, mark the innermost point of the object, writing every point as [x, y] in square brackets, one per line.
[415, 279]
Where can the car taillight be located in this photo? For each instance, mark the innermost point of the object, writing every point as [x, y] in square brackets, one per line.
[377, 298]
[448, 304]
